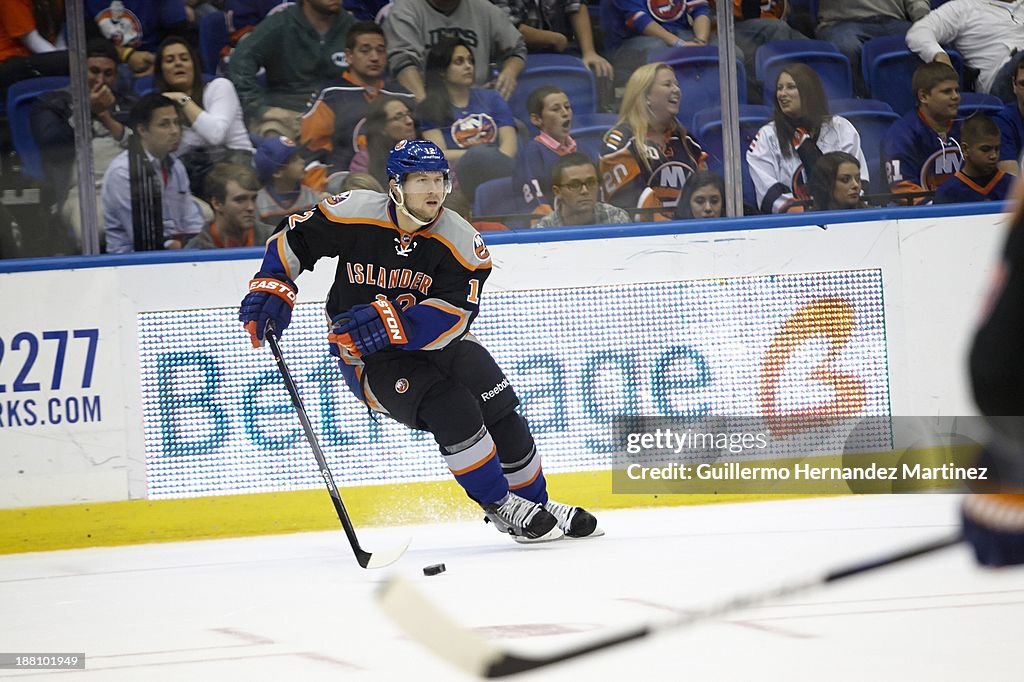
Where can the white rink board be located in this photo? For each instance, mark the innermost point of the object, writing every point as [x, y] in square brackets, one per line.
[933, 276]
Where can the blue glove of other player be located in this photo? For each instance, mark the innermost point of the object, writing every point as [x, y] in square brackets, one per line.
[366, 329]
[994, 526]
[269, 301]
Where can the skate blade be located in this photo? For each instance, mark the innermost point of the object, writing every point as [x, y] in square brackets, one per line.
[596, 534]
[552, 535]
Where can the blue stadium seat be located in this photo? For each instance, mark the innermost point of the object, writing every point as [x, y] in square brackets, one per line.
[831, 65]
[696, 68]
[974, 102]
[842, 105]
[888, 66]
[213, 37]
[575, 79]
[497, 197]
[707, 128]
[143, 85]
[872, 122]
[20, 97]
[599, 119]
[588, 139]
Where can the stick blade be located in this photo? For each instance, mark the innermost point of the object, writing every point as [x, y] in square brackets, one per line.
[386, 557]
[424, 622]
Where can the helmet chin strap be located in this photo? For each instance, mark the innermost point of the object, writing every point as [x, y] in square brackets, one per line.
[400, 204]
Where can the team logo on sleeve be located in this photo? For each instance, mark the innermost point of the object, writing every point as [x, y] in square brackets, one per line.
[479, 248]
[474, 129]
[666, 10]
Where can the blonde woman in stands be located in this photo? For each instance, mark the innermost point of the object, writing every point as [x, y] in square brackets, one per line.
[648, 155]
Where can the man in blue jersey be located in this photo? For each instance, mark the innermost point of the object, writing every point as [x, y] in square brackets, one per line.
[980, 178]
[1011, 125]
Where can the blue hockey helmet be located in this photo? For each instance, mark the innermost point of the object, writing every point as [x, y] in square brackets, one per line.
[415, 156]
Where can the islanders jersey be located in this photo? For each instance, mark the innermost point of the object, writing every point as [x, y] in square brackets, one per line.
[435, 274]
[635, 175]
[533, 172]
[961, 189]
[331, 130]
[780, 180]
[479, 122]
[916, 157]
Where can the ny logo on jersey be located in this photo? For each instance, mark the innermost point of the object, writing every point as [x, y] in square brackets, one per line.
[404, 245]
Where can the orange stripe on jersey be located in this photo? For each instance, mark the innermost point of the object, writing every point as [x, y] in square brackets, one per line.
[445, 337]
[359, 221]
[476, 465]
[523, 485]
[486, 265]
[316, 130]
[282, 255]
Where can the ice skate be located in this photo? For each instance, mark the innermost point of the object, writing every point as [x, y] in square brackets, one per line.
[574, 522]
[524, 520]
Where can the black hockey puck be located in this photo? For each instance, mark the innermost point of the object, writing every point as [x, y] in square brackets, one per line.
[433, 569]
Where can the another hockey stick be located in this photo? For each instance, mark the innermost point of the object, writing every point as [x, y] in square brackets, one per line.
[426, 622]
[365, 559]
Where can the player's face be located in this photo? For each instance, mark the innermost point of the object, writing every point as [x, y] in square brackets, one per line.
[664, 95]
[577, 191]
[177, 67]
[846, 190]
[400, 125]
[461, 70]
[424, 194]
[369, 56]
[162, 135]
[788, 95]
[555, 116]
[101, 71]
[238, 211]
[942, 102]
[983, 154]
[706, 202]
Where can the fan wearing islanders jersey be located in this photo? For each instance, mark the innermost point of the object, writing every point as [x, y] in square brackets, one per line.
[407, 288]
[473, 126]
[783, 154]
[632, 28]
[551, 112]
[648, 156]
[922, 149]
[980, 178]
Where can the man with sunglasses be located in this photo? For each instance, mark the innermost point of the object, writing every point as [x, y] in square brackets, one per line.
[575, 186]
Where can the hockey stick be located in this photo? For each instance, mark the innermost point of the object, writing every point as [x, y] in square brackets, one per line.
[426, 622]
[365, 559]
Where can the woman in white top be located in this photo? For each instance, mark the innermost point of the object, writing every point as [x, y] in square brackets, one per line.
[785, 151]
[214, 130]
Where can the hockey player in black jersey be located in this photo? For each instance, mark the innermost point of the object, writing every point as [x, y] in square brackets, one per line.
[410, 275]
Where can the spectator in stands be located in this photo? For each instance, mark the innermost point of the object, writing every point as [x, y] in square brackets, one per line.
[922, 149]
[147, 204]
[301, 48]
[331, 130]
[136, 27]
[703, 197]
[413, 27]
[632, 28]
[232, 190]
[473, 126]
[987, 34]
[1011, 125]
[551, 112]
[835, 183]
[50, 119]
[783, 154]
[758, 22]
[551, 26]
[281, 169]
[575, 186]
[361, 181]
[850, 23]
[214, 131]
[388, 121]
[32, 42]
[979, 179]
[648, 155]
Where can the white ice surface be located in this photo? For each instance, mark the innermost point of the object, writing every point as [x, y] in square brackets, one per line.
[298, 607]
